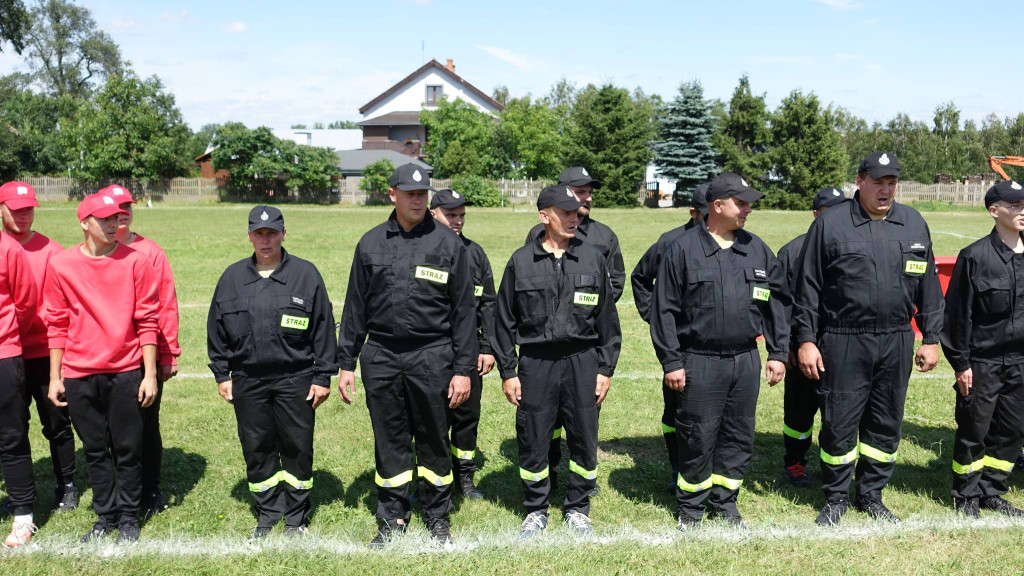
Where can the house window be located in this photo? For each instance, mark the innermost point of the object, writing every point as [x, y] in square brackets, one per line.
[433, 95]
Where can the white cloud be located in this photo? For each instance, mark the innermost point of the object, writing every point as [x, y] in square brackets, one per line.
[783, 60]
[873, 67]
[847, 57]
[505, 55]
[235, 28]
[175, 17]
[839, 4]
[125, 23]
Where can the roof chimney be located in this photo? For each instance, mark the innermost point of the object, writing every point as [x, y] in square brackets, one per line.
[450, 66]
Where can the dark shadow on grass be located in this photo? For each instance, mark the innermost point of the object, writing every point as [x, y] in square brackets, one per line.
[181, 473]
[46, 483]
[648, 479]
[362, 489]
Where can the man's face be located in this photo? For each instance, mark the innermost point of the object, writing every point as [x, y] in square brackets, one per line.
[559, 224]
[18, 222]
[266, 243]
[584, 194]
[731, 212]
[410, 206]
[102, 231]
[454, 218]
[124, 221]
[877, 194]
[1008, 216]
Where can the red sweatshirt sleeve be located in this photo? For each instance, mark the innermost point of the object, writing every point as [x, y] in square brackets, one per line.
[168, 349]
[147, 303]
[56, 309]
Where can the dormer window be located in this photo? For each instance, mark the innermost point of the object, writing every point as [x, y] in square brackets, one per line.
[433, 95]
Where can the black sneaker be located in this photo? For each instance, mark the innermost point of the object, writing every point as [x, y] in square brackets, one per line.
[831, 513]
[153, 503]
[579, 523]
[966, 507]
[65, 499]
[440, 531]
[533, 525]
[295, 531]
[259, 533]
[686, 522]
[469, 489]
[127, 530]
[100, 529]
[1019, 464]
[998, 504]
[386, 532]
[596, 491]
[876, 510]
[796, 475]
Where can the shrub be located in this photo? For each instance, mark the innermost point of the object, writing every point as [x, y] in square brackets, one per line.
[479, 191]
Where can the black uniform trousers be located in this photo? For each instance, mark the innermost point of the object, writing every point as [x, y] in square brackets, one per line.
[863, 391]
[55, 421]
[557, 387]
[106, 413]
[407, 396]
[989, 430]
[152, 443]
[275, 426]
[668, 425]
[715, 431]
[799, 405]
[15, 451]
[463, 420]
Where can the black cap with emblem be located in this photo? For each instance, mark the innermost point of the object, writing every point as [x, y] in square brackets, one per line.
[1008, 191]
[558, 196]
[827, 198]
[448, 199]
[410, 177]
[879, 164]
[731, 184]
[265, 217]
[577, 176]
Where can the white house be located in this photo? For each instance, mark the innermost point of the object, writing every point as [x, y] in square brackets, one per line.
[347, 139]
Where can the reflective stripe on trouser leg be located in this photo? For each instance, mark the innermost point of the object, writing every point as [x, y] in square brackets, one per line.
[432, 478]
[265, 485]
[394, 481]
[876, 454]
[734, 444]
[799, 405]
[580, 417]
[463, 421]
[463, 454]
[533, 476]
[588, 474]
[990, 428]
[535, 421]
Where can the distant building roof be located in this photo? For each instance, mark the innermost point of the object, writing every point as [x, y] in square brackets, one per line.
[394, 119]
[346, 139]
[352, 162]
[432, 64]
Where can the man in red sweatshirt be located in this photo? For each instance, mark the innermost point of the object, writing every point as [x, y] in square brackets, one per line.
[102, 322]
[167, 348]
[18, 302]
[17, 205]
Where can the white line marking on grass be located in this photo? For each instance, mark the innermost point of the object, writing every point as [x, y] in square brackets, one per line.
[954, 234]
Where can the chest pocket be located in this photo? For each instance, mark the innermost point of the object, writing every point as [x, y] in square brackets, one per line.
[377, 268]
[531, 298]
[700, 288]
[431, 273]
[757, 285]
[585, 294]
[293, 317]
[914, 263]
[234, 316]
[993, 297]
[851, 262]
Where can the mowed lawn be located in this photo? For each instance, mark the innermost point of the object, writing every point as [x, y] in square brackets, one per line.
[205, 529]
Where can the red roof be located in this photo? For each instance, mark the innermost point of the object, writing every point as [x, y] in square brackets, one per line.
[432, 64]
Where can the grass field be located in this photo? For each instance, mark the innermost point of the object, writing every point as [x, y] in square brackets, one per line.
[204, 530]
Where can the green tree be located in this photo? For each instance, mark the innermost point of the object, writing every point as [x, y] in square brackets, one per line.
[29, 128]
[343, 125]
[318, 125]
[500, 94]
[200, 140]
[684, 151]
[14, 24]
[314, 171]
[609, 131]
[526, 141]
[458, 138]
[131, 129]
[477, 190]
[67, 51]
[742, 139]
[376, 181]
[298, 126]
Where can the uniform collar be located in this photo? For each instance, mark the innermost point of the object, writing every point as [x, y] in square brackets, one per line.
[425, 225]
[740, 244]
[584, 224]
[539, 251]
[276, 275]
[861, 217]
[1002, 250]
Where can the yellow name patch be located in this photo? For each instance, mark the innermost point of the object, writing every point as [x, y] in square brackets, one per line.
[916, 266]
[294, 322]
[478, 291]
[432, 275]
[762, 294]
[584, 299]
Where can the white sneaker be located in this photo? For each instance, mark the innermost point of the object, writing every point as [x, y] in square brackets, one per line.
[21, 534]
[535, 523]
[579, 523]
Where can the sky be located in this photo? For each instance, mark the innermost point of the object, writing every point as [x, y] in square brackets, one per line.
[282, 63]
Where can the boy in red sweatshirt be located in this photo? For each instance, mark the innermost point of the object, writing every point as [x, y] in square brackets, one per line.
[18, 302]
[102, 323]
[167, 348]
[17, 205]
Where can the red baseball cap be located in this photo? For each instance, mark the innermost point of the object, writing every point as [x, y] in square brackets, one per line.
[119, 193]
[18, 195]
[99, 205]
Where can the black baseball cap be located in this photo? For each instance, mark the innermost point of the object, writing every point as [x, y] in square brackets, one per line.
[448, 199]
[879, 164]
[559, 196]
[410, 177]
[730, 184]
[1007, 191]
[577, 176]
[265, 217]
[827, 198]
[699, 198]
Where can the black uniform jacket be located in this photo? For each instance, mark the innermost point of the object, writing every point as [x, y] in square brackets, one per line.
[984, 318]
[646, 271]
[863, 276]
[483, 291]
[713, 301]
[408, 290]
[556, 304]
[271, 327]
[601, 237]
[789, 260]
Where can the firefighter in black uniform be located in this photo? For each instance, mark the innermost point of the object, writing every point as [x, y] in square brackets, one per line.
[643, 279]
[272, 346]
[449, 208]
[718, 288]
[554, 303]
[983, 336]
[865, 266]
[598, 235]
[800, 403]
[411, 291]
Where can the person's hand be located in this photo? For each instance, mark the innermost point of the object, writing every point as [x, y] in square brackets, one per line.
[484, 363]
[965, 381]
[318, 394]
[147, 391]
[676, 380]
[774, 371]
[224, 389]
[513, 390]
[56, 392]
[167, 372]
[927, 357]
[601, 390]
[347, 385]
[809, 359]
[458, 390]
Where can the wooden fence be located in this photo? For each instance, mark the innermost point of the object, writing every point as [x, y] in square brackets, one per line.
[513, 192]
[64, 189]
